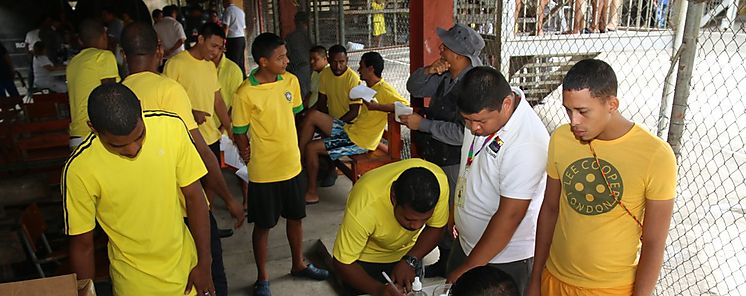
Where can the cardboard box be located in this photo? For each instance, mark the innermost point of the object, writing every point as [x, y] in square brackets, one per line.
[64, 285]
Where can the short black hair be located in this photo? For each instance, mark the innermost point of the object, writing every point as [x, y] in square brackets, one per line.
[114, 109]
[139, 39]
[485, 281]
[208, 30]
[320, 50]
[482, 88]
[156, 13]
[335, 49]
[418, 188]
[169, 10]
[375, 60]
[264, 45]
[90, 30]
[595, 75]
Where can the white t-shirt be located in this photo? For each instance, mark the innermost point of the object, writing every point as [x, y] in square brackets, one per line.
[42, 77]
[517, 169]
[169, 32]
[31, 38]
[235, 19]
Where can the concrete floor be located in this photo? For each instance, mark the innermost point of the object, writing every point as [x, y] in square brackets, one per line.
[319, 229]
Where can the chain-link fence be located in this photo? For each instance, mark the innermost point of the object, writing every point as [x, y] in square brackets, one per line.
[706, 252]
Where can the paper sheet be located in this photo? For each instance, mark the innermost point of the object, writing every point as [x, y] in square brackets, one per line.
[243, 173]
[362, 92]
[401, 109]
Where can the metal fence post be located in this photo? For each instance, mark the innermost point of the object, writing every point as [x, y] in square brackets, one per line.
[665, 110]
[684, 77]
[341, 15]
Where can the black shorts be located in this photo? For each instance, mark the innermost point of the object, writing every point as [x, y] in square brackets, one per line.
[268, 201]
[215, 148]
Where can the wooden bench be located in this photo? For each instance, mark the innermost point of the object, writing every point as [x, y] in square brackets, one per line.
[356, 165]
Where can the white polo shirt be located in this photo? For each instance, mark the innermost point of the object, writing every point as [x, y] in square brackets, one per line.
[517, 169]
[169, 31]
[235, 19]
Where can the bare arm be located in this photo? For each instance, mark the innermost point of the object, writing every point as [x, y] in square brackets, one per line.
[176, 46]
[654, 233]
[373, 106]
[496, 236]
[199, 225]
[403, 274]
[352, 114]
[214, 179]
[354, 275]
[544, 233]
[81, 255]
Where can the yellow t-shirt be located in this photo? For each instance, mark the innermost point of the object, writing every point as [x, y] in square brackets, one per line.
[200, 80]
[595, 241]
[84, 73]
[267, 112]
[158, 92]
[230, 78]
[369, 231]
[315, 83]
[150, 248]
[337, 90]
[368, 128]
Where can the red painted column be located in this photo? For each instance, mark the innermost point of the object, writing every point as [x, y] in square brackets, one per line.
[287, 11]
[424, 17]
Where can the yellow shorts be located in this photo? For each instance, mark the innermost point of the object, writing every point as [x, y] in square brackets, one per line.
[551, 285]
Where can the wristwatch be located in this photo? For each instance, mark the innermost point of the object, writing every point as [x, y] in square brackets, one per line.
[412, 261]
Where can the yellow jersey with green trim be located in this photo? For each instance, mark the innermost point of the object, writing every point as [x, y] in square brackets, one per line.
[135, 200]
[337, 90]
[267, 112]
[367, 129]
[158, 92]
[200, 80]
[369, 231]
[84, 73]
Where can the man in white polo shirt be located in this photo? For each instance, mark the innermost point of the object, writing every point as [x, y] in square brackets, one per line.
[501, 185]
[234, 20]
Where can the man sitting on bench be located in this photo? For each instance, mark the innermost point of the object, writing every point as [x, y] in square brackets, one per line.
[351, 137]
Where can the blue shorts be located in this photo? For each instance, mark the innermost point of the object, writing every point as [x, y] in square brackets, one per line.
[339, 144]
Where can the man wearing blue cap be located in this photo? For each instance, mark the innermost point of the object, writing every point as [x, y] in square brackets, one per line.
[441, 130]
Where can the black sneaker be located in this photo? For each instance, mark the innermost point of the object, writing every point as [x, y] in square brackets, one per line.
[226, 232]
[329, 180]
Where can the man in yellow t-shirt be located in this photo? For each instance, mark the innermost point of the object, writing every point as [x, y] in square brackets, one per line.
[264, 107]
[151, 250]
[335, 84]
[348, 138]
[379, 22]
[394, 216]
[194, 70]
[93, 66]
[319, 63]
[609, 196]
[229, 77]
[157, 92]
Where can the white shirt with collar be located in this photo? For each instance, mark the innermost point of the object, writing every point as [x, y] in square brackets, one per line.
[235, 19]
[517, 169]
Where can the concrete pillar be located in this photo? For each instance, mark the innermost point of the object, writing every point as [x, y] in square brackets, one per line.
[424, 17]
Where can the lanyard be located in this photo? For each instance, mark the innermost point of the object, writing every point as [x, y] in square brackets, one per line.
[470, 157]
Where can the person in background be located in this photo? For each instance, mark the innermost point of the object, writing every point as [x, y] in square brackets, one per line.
[44, 68]
[379, 22]
[318, 62]
[157, 16]
[91, 67]
[234, 20]
[299, 47]
[7, 72]
[170, 33]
